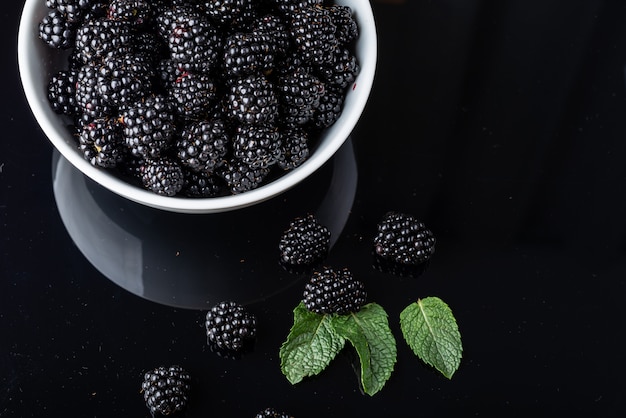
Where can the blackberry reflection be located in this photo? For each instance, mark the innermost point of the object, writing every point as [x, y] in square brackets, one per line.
[190, 260]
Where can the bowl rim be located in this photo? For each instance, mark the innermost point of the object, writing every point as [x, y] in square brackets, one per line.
[49, 121]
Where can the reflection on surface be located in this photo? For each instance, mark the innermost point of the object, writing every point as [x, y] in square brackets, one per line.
[194, 261]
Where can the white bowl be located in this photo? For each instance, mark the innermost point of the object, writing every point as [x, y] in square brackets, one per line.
[37, 62]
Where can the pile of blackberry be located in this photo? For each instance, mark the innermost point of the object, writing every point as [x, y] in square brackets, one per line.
[200, 98]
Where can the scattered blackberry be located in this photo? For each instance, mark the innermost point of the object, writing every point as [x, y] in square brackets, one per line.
[193, 95]
[240, 177]
[163, 176]
[258, 146]
[247, 53]
[403, 239]
[202, 146]
[56, 31]
[149, 125]
[299, 95]
[331, 291]
[62, 92]
[101, 142]
[272, 413]
[136, 12]
[341, 71]
[252, 99]
[98, 38]
[201, 184]
[304, 242]
[343, 18]
[295, 148]
[88, 98]
[313, 32]
[166, 389]
[124, 79]
[329, 108]
[229, 325]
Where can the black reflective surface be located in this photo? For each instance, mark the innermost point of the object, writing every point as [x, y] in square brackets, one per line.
[501, 124]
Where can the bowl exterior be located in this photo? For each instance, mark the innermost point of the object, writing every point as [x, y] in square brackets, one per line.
[37, 62]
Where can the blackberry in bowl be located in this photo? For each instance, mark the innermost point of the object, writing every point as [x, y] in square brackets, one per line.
[286, 105]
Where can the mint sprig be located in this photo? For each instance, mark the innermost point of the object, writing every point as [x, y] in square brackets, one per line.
[368, 332]
[315, 339]
[310, 346]
[431, 330]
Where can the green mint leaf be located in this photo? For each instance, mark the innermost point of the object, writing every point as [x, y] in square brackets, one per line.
[369, 333]
[430, 329]
[310, 346]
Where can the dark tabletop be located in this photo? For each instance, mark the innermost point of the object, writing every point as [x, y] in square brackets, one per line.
[500, 124]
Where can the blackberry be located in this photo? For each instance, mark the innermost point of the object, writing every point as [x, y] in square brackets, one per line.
[272, 413]
[149, 126]
[71, 9]
[229, 326]
[98, 38]
[276, 28]
[304, 242]
[313, 32]
[162, 175]
[198, 184]
[62, 92]
[252, 99]
[125, 79]
[139, 13]
[247, 53]
[166, 389]
[88, 98]
[101, 142]
[224, 11]
[403, 239]
[295, 148]
[152, 47]
[193, 95]
[343, 18]
[203, 145]
[56, 31]
[240, 177]
[258, 146]
[299, 95]
[331, 291]
[341, 71]
[329, 109]
[193, 40]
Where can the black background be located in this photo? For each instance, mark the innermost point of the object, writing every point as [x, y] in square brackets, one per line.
[500, 124]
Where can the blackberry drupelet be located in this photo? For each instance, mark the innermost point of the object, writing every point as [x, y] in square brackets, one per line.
[403, 239]
[304, 242]
[162, 175]
[62, 92]
[202, 146]
[56, 31]
[329, 109]
[313, 32]
[240, 177]
[149, 126]
[252, 99]
[193, 95]
[247, 53]
[229, 326]
[295, 148]
[299, 95]
[166, 389]
[98, 38]
[101, 142]
[272, 413]
[331, 291]
[258, 146]
[341, 71]
[125, 79]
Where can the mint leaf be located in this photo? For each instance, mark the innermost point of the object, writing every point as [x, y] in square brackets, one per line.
[430, 329]
[310, 346]
[368, 331]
